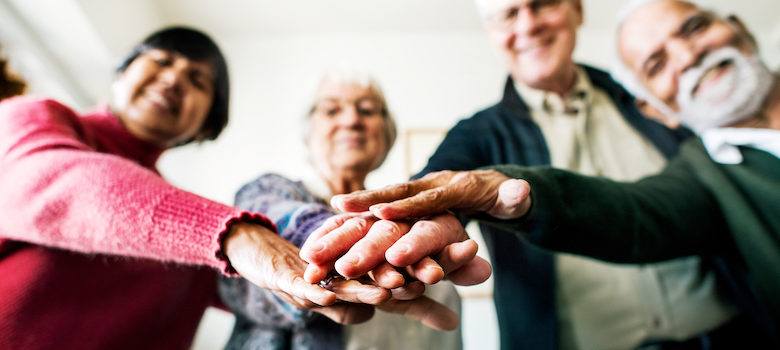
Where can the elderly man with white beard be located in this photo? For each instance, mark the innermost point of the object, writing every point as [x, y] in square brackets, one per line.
[719, 198]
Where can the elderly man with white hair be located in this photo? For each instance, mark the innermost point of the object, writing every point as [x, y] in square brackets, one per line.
[720, 198]
[571, 116]
[560, 113]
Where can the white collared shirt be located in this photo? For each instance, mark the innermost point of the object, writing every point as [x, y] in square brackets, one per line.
[722, 144]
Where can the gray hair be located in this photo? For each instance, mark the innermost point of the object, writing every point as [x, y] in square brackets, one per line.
[362, 79]
[487, 8]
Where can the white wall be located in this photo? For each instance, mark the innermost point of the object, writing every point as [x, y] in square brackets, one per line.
[430, 80]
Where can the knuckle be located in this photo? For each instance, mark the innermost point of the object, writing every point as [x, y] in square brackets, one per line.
[388, 227]
[434, 195]
[357, 222]
[469, 181]
[404, 188]
[370, 248]
[424, 225]
[334, 220]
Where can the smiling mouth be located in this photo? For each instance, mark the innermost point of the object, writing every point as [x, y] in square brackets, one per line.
[162, 102]
[713, 75]
[534, 46]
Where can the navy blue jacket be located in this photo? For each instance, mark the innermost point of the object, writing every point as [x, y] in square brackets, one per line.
[524, 289]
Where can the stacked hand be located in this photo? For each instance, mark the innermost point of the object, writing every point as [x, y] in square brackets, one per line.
[389, 244]
[360, 244]
[476, 191]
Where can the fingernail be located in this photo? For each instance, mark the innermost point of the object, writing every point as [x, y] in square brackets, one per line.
[434, 270]
[376, 209]
[337, 201]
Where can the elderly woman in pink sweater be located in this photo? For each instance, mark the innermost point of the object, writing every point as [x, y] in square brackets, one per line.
[98, 251]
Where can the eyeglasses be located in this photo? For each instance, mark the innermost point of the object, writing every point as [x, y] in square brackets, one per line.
[507, 17]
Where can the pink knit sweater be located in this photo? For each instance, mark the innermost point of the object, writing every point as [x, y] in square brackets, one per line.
[97, 251]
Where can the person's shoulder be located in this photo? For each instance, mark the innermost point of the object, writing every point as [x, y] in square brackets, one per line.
[604, 80]
[487, 114]
[26, 110]
[26, 104]
[23, 115]
[481, 118]
[271, 180]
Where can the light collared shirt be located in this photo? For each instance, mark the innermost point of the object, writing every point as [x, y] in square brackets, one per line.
[609, 306]
[722, 144]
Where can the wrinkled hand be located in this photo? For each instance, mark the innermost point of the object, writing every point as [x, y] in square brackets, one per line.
[270, 262]
[485, 191]
[356, 244]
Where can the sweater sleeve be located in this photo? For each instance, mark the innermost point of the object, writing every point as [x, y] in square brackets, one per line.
[57, 191]
[295, 211]
[657, 218]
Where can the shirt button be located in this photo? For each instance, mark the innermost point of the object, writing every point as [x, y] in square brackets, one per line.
[656, 322]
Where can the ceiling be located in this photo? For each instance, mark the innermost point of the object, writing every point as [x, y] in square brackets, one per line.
[71, 40]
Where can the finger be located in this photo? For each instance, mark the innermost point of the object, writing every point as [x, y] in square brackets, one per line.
[296, 286]
[355, 292]
[425, 203]
[408, 292]
[337, 242]
[476, 271]
[424, 310]
[333, 223]
[369, 251]
[328, 225]
[315, 273]
[298, 303]
[386, 276]
[457, 254]
[425, 238]
[362, 200]
[513, 200]
[427, 270]
[347, 313]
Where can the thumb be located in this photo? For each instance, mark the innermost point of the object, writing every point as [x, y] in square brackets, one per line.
[513, 199]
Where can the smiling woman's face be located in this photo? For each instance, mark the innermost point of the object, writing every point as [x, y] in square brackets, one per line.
[347, 129]
[163, 97]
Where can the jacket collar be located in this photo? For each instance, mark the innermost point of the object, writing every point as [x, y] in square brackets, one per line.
[665, 140]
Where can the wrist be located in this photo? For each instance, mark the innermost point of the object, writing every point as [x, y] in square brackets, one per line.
[244, 235]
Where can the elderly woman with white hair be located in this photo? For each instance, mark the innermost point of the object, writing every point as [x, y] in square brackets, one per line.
[349, 131]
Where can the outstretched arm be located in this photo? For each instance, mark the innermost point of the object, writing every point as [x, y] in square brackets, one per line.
[296, 213]
[657, 218]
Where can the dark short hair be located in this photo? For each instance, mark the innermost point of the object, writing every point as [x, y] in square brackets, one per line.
[197, 46]
[10, 85]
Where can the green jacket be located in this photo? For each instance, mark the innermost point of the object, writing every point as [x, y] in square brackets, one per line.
[694, 207]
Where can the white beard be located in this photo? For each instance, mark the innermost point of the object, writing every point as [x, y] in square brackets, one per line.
[737, 95]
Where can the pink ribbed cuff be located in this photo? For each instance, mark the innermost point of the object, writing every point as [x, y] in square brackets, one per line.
[192, 229]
